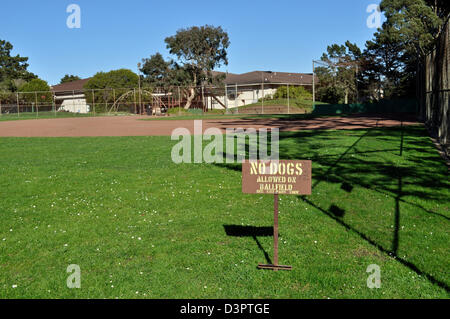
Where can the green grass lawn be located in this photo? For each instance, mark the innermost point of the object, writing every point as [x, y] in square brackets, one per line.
[294, 103]
[140, 226]
[51, 115]
[215, 116]
[40, 115]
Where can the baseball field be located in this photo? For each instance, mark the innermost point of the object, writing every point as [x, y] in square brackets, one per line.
[104, 194]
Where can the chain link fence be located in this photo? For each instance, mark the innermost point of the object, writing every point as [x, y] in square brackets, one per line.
[435, 89]
[258, 98]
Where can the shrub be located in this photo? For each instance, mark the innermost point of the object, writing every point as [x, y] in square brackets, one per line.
[330, 95]
[295, 92]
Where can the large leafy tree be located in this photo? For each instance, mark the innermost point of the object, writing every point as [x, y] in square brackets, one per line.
[383, 65]
[418, 22]
[157, 71]
[121, 80]
[199, 50]
[69, 78]
[339, 75]
[13, 69]
[36, 89]
[393, 56]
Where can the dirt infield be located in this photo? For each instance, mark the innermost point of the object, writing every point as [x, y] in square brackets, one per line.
[134, 126]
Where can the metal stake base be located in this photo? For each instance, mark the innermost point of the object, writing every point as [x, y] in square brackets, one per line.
[274, 267]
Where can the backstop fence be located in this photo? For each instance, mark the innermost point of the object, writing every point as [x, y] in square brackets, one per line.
[434, 89]
[257, 98]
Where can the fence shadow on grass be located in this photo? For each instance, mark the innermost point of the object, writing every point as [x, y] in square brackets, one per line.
[374, 160]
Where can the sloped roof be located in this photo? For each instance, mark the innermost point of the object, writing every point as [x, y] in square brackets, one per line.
[254, 77]
[70, 86]
[268, 77]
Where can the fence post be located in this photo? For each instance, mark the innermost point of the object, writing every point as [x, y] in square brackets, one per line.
[36, 103]
[313, 86]
[54, 104]
[179, 100]
[114, 97]
[134, 94]
[73, 101]
[93, 101]
[262, 104]
[203, 99]
[226, 99]
[288, 99]
[236, 99]
[18, 106]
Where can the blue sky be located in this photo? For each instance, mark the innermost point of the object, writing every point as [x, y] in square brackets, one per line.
[282, 35]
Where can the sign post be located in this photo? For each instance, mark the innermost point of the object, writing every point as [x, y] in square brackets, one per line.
[276, 177]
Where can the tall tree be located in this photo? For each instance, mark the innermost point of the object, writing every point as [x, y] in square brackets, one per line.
[418, 22]
[156, 70]
[69, 78]
[36, 89]
[121, 80]
[199, 51]
[341, 71]
[382, 64]
[12, 67]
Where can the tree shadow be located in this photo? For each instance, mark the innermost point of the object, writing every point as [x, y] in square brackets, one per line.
[391, 253]
[355, 165]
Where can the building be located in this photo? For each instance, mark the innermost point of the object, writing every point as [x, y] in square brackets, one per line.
[239, 90]
[70, 96]
[251, 87]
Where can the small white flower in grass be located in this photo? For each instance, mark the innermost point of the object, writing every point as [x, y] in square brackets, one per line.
[139, 238]
[14, 286]
[65, 245]
[315, 242]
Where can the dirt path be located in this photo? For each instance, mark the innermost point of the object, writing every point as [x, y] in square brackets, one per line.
[134, 126]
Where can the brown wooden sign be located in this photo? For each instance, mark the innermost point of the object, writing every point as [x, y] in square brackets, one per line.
[276, 177]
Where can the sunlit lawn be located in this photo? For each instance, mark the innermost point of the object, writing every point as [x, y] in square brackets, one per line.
[140, 226]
